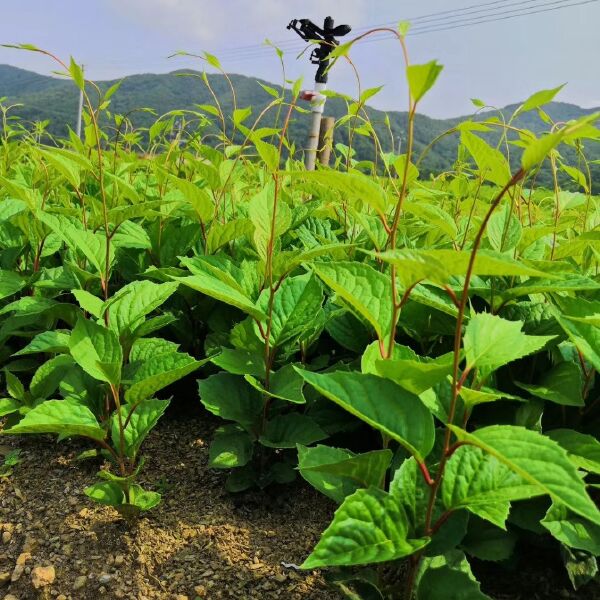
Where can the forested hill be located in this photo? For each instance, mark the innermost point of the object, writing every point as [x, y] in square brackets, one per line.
[53, 99]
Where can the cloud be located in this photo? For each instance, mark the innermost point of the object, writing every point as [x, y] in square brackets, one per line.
[232, 22]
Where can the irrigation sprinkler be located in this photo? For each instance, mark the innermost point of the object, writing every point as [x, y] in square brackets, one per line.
[325, 37]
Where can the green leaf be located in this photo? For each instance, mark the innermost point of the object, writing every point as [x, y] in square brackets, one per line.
[147, 348]
[215, 288]
[66, 418]
[97, 351]
[353, 186]
[537, 459]
[77, 74]
[141, 422]
[240, 362]
[421, 78]
[231, 447]
[572, 530]
[586, 336]
[106, 492]
[295, 305]
[487, 542]
[380, 403]
[231, 398]
[8, 406]
[285, 384]
[47, 378]
[538, 99]
[338, 473]
[89, 303]
[131, 304]
[440, 265]
[91, 245]
[483, 485]
[583, 450]
[260, 211]
[269, 154]
[367, 292]
[490, 342]
[491, 163]
[448, 577]
[416, 376]
[199, 198]
[562, 385]
[286, 431]
[10, 283]
[158, 372]
[369, 527]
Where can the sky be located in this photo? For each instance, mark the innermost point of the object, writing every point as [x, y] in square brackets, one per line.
[500, 61]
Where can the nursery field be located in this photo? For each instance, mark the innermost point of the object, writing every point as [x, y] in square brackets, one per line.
[225, 376]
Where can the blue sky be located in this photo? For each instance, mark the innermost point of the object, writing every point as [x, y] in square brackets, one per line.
[501, 62]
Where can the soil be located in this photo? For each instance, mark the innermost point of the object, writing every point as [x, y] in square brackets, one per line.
[201, 542]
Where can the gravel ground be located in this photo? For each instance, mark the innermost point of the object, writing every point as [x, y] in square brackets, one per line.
[200, 542]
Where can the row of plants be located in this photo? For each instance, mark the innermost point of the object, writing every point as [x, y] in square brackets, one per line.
[421, 351]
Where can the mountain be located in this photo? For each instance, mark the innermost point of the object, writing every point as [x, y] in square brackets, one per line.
[53, 99]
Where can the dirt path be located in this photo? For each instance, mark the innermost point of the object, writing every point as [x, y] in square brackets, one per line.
[199, 542]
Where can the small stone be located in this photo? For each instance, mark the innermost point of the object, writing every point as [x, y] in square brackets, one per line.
[43, 576]
[119, 560]
[104, 578]
[280, 577]
[23, 558]
[10, 597]
[4, 578]
[200, 591]
[30, 544]
[17, 572]
[61, 597]
[181, 597]
[6, 536]
[79, 582]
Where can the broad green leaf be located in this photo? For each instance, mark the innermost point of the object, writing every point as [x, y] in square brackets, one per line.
[97, 351]
[586, 336]
[106, 492]
[562, 385]
[241, 362]
[483, 485]
[491, 342]
[488, 542]
[269, 154]
[538, 99]
[231, 447]
[295, 305]
[285, 384]
[416, 376]
[369, 527]
[91, 245]
[286, 431]
[537, 459]
[47, 378]
[440, 265]
[260, 212]
[583, 449]
[338, 473]
[448, 577]
[353, 186]
[159, 372]
[10, 283]
[147, 348]
[421, 78]
[367, 292]
[8, 406]
[572, 530]
[491, 163]
[215, 288]
[200, 199]
[67, 418]
[380, 403]
[89, 303]
[140, 421]
[131, 304]
[48, 341]
[231, 398]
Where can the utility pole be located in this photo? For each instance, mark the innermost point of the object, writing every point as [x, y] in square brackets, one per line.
[326, 38]
[80, 110]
